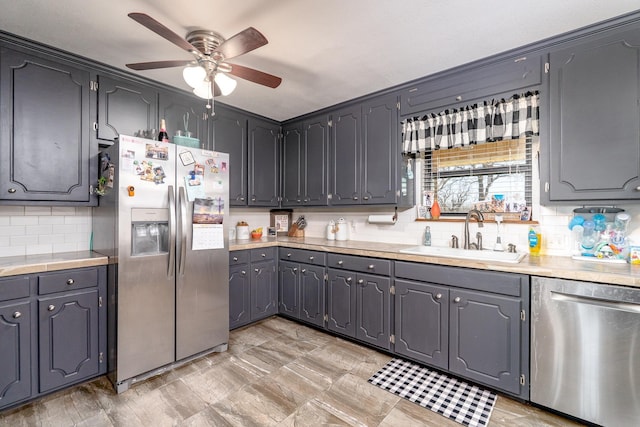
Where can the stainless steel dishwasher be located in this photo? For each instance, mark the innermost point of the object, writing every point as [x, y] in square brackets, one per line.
[585, 350]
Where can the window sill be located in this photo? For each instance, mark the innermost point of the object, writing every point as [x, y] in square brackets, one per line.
[454, 219]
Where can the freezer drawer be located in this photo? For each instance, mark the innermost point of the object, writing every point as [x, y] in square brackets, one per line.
[585, 350]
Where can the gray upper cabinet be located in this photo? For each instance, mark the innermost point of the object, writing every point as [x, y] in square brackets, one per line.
[593, 149]
[305, 162]
[125, 107]
[46, 154]
[264, 163]
[472, 83]
[346, 145]
[177, 108]
[230, 136]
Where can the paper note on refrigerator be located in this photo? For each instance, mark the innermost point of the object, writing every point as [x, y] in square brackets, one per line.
[207, 236]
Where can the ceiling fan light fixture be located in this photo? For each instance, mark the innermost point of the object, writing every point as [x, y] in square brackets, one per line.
[194, 75]
[225, 83]
[204, 90]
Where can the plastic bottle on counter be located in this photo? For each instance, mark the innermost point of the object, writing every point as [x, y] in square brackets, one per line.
[427, 236]
[535, 240]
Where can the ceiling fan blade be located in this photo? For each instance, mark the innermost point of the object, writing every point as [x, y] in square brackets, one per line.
[243, 42]
[158, 64]
[161, 30]
[255, 76]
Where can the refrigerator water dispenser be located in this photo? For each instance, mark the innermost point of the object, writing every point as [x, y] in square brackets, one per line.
[149, 231]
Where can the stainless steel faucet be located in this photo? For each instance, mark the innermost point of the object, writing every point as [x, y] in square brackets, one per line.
[480, 218]
[454, 241]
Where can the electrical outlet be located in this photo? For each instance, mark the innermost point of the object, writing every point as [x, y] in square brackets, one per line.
[556, 241]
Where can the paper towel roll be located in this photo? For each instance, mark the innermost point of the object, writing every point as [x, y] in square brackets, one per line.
[381, 219]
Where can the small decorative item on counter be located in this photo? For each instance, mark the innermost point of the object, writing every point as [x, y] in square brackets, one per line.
[242, 230]
[535, 240]
[598, 236]
[256, 233]
[427, 236]
[341, 230]
[634, 254]
[331, 230]
[163, 135]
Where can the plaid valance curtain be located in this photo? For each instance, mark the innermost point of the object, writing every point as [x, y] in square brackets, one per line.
[493, 120]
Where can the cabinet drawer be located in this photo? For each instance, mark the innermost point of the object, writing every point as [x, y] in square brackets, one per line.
[361, 264]
[238, 257]
[67, 280]
[14, 287]
[262, 254]
[489, 281]
[303, 256]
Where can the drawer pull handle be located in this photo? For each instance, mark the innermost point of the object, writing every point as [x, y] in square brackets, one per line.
[70, 281]
[235, 258]
[438, 296]
[456, 299]
[12, 190]
[360, 281]
[51, 307]
[371, 266]
[340, 262]
[310, 258]
[17, 315]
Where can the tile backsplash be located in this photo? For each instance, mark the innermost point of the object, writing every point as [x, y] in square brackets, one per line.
[31, 230]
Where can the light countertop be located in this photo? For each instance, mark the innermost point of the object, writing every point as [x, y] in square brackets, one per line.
[10, 266]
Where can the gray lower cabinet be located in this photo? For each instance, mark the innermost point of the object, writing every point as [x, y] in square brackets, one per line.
[593, 119]
[253, 286]
[473, 323]
[53, 329]
[359, 298]
[301, 283]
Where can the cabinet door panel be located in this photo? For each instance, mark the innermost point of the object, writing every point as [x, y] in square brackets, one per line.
[345, 156]
[44, 129]
[292, 166]
[264, 163]
[312, 294]
[315, 167]
[239, 296]
[422, 322]
[177, 108]
[484, 340]
[230, 136]
[264, 290]
[373, 310]
[15, 352]
[380, 150]
[288, 289]
[341, 304]
[68, 337]
[594, 119]
[124, 108]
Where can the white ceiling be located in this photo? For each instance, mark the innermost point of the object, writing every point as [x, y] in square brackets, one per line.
[326, 51]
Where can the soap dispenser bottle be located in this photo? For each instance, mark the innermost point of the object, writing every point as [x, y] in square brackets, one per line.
[427, 236]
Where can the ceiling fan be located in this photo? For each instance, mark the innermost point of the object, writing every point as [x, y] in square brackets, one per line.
[207, 73]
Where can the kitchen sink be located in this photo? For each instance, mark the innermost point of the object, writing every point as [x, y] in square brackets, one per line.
[475, 255]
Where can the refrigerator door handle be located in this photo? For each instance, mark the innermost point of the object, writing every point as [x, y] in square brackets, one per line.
[183, 232]
[172, 232]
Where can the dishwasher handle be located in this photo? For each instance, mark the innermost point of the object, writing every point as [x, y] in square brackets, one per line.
[598, 302]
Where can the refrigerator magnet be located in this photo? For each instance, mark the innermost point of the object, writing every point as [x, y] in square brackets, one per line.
[186, 158]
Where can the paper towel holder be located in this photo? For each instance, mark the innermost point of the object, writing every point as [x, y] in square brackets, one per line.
[384, 219]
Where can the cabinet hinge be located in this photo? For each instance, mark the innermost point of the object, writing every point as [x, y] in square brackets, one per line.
[523, 316]
[91, 190]
[398, 105]
[95, 126]
[326, 317]
[546, 187]
[99, 301]
[392, 339]
[93, 85]
[546, 68]
[330, 123]
[101, 357]
[522, 379]
[392, 290]
[326, 278]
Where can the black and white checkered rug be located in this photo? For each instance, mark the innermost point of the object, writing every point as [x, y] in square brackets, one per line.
[464, 403]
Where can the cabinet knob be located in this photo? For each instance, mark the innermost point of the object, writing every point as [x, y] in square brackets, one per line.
[256, 270]
[360, 281]
[295, 269]
[355, 197]
[458, 98]
[244, 273]
[288, 255]
[17, 315]
[298, 200]
[365, 198]
[263, 255]
[70, 281]
[235, 258]
[456, 299]
[310, 258]
[242, 199]
[438, 296]
[371, 266]
[51, 307]
[340, 262]
[253, 199]
[304, 270]
[12, 190]
[349, 279]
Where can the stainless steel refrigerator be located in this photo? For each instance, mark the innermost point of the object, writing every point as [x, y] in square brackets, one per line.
[162, 220]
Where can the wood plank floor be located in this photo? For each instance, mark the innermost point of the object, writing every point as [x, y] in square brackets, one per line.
[276, 373]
